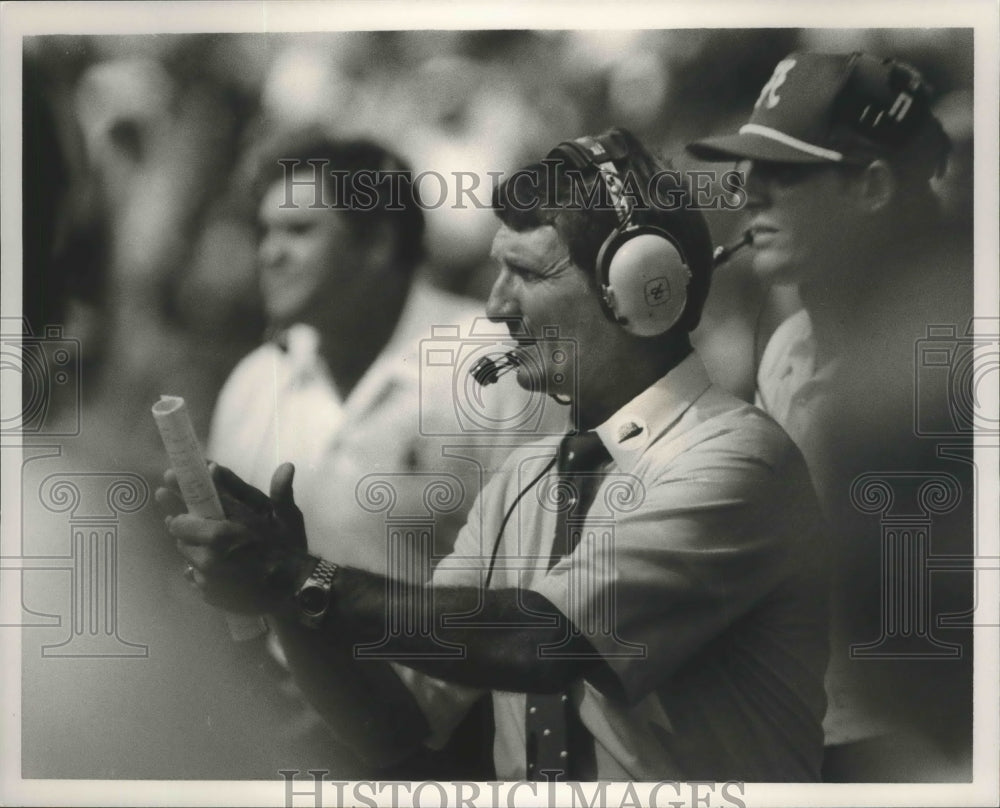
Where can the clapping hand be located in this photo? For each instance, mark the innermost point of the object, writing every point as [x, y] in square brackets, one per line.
[249, 561]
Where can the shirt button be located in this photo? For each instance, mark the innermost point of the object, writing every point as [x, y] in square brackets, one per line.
[546, 732]
[571, 455]
[563, 754]
[563, 697]
[532, 710]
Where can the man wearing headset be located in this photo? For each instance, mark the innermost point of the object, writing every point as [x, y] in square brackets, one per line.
[646, 600]
[838, 156]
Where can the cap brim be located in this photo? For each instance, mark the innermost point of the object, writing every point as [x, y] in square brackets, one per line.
[748, 146]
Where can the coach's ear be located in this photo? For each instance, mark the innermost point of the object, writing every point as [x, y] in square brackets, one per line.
[877, 186]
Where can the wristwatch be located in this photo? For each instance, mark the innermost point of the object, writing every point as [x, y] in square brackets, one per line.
[314, 596]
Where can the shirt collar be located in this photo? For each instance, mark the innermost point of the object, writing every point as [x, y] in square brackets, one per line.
[397, 362]
[633, 428]
[301, 345]
[802, 354]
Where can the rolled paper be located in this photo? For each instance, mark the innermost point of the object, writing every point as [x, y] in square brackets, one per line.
[197, 488]
[185, 454]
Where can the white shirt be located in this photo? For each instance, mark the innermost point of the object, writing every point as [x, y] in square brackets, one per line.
[799, 395]
[384, 478]
[699, 579]
[790, 388]
[796, 393]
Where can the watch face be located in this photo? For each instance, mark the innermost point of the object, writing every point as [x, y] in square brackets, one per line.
[312, 600]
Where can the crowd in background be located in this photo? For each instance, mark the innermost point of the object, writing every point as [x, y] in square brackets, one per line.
[161, 123]
[153, 234]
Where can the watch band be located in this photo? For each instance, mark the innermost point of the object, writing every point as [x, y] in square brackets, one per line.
[314, 596]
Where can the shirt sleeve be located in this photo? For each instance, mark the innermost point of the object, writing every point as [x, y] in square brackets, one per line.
[656, 585]
[227, 416]
[242, 430]
[443, 703]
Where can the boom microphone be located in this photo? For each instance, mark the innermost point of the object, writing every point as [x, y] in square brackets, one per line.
[486, 370]
[723, 254]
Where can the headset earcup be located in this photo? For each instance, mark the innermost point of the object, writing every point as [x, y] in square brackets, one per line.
[646, 281]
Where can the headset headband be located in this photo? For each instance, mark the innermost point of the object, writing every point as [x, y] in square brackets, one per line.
[598, 154]
[588, 153]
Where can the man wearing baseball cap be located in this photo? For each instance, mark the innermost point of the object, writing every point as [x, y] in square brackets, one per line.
[845, 146]
[834, 109]
[838, 157]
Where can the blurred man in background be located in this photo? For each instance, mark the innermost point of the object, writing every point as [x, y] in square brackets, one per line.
[839, 155]
[337, 389]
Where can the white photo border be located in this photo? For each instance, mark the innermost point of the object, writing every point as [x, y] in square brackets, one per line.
[27, 19]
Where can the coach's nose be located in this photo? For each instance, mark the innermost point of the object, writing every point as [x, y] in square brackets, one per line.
[503, 303]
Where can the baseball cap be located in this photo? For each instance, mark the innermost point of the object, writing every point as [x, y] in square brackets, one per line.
[817, 108]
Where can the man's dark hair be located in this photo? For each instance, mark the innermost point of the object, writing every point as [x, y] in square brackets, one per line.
[388, 196]
[546, 193]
